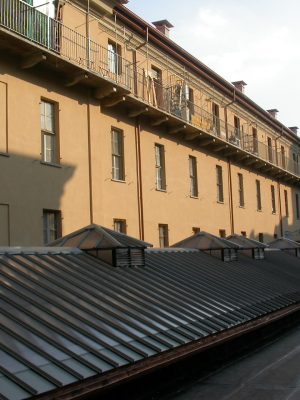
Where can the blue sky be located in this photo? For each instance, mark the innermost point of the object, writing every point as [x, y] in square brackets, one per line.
[255, 41]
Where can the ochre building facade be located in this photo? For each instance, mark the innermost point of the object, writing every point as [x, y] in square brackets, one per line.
[104, 119]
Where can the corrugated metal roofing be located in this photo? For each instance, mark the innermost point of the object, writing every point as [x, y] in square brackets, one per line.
[245, 242]
[98, 237]
[67, 316]
[206, 241]
[284, 243]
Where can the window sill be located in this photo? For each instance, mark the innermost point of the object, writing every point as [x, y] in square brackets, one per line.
[161, 190]
[220, 202]
[4, 154]
[51, 164]
[259, 210]
[242, 207]
[273, 213]
[194, 197]
[118, 180]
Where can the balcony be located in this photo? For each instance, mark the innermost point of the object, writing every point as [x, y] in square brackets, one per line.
[36, 38]
[52, 39]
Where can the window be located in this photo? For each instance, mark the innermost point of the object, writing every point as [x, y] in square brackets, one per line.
[286, 203]
[273, 201]
[237, 127]
[270, 150]
[244, 233]
[275, 236]
[163, 235]
[193, 176]
[295, 162]
[258, 195]
[190, 102]
[241, 190]
[51, 225]
[255, 140]
[216, 118]
[282, 152]
[222, 233]
[195, 230]
[48, 131]
[160, 167]
[156, 75]
[261, 237]
[117, 144]
[120, 225]
[114, 58]
[297, 206]
[220, 192]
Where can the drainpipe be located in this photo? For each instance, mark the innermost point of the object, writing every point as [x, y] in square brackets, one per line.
[139, 181]
[229, 168]
[90, 156]
[280, 209]
[230, 198]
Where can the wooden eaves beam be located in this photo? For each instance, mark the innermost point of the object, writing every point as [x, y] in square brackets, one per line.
[101, 93]
[138, 112]
[76, 78]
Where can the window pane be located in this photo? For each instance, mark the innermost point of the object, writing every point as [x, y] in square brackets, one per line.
[48, 150]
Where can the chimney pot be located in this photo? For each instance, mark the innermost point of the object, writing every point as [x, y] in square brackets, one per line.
[273, 112]
[294, 129]
[240, 85]
[163, 26]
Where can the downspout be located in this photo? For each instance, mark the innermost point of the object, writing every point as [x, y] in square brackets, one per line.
[139, 181]
[280, 209]
[231, 212]
[230, 198]
[90, 157]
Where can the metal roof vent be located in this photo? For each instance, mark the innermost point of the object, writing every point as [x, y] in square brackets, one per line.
[116, 249]
[211, 244]
[287, 245]
[250, 247]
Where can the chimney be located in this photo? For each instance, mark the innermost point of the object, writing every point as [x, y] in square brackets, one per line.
[240, 85]
[294, 129]
[273, 112]
[163, 26]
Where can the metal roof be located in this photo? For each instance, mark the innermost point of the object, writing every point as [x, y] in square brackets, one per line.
[245, 242]
[96, 237]
[67, 316]
[284, 243]
[206, 241]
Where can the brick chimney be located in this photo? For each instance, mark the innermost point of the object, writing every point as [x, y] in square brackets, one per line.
[163, 26]
[240, 85]
[273, 112]
[294, 129]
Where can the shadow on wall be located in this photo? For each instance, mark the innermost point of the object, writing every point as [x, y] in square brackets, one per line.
[27, 188]
[290, 231]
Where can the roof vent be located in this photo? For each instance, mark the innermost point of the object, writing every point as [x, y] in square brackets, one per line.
[287, 245]
[294, 129]
[250, 247]
[117, 249]
[163, 26]
[240, 85]
[273, 112]
[213, 245]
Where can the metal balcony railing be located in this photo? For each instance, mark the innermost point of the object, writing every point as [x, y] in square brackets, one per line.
[26, 21]
[21, 18]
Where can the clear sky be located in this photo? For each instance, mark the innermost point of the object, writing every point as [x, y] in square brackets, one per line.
[257, 41]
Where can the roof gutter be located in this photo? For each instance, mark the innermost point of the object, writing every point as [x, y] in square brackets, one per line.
[96, 384]
[138, 25]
